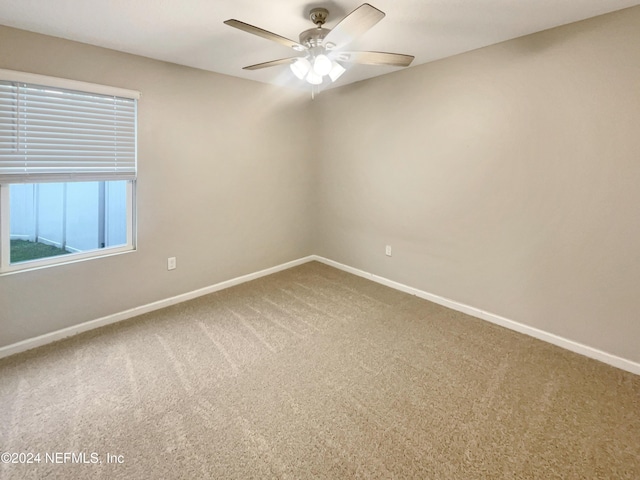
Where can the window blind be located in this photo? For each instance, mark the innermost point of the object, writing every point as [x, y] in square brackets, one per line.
[53, 134]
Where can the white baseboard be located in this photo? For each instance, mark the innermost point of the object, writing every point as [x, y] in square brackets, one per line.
[587, 351]
[619, 362]
[30, 343]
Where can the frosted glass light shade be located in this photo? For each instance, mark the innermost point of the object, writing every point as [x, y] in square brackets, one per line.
[300, 67]
[336, 71]
[322, 65]
[313, 78]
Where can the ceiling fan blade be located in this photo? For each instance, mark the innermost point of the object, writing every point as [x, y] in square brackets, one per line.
[245, 27]
[376, 58]
[273, 63]
[353, 25]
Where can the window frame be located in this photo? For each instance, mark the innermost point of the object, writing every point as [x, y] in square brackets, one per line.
[131, 205]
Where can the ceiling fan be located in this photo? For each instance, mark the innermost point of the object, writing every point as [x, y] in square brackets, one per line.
[321, 49]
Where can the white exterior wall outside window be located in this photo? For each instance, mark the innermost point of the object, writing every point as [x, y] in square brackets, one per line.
[67, 170]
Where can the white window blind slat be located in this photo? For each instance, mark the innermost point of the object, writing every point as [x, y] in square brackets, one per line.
[33, 119]
[66, 147]
[52, 134]
[57, 163]
[67, 132]
[37, 91]
[81, 111]
[73, 155]
[61, 140]
[40, 90]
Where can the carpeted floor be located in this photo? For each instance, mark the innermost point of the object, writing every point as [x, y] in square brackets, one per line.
[315, 373]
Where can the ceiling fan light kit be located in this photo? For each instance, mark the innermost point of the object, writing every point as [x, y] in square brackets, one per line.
[321, 47]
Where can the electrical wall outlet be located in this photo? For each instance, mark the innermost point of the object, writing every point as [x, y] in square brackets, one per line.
[171, 263]
[387, 250]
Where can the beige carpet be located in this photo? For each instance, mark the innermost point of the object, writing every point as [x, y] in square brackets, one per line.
[315, 373]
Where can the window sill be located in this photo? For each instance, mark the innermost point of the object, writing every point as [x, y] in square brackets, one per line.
[30, 266]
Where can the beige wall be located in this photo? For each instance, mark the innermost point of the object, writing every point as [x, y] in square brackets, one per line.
[507, 179]
[223, 186]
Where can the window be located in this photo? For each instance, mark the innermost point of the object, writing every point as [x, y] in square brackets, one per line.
[67, 170]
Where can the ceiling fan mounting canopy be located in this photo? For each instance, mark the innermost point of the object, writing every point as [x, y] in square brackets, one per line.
[321, 47]
[319, 16]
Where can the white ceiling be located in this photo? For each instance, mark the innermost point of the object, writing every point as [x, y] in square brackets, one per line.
[191, 32]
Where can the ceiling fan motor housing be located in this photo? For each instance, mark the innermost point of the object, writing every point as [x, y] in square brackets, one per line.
[313, 37]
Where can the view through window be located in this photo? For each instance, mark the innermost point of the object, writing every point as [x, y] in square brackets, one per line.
[50, 219]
